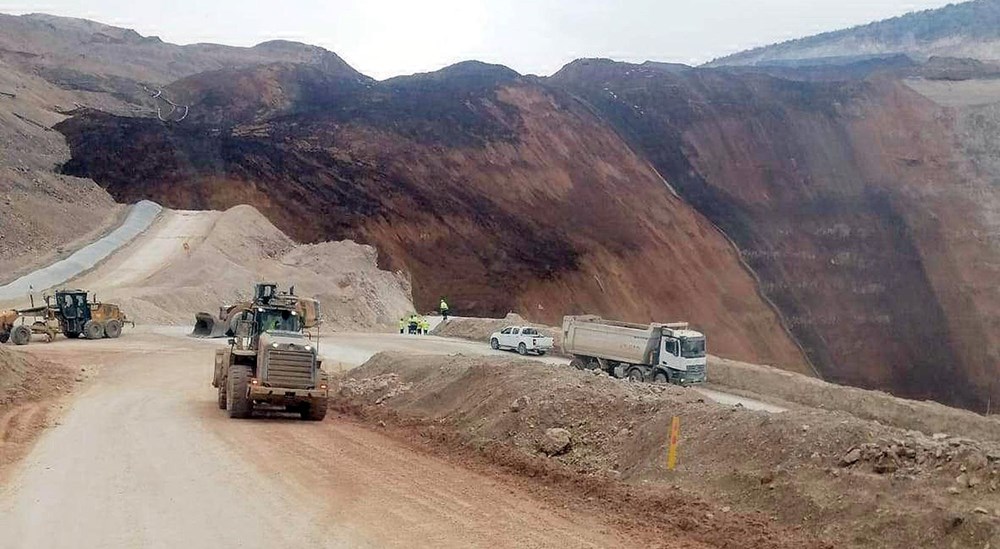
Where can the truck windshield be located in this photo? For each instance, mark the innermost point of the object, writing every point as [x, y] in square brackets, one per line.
[693, 348]
[279, 321]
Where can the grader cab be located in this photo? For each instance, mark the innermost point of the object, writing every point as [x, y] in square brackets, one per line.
[68, 312]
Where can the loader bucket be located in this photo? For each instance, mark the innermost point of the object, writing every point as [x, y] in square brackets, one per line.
[206, 325]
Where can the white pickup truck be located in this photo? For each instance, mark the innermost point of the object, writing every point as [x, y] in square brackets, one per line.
[523, 339]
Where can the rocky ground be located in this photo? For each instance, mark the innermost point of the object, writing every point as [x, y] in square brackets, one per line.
[30, 395]
[828, 476]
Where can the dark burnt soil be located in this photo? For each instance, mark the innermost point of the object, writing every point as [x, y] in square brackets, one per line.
[841, 194]
[486, 187]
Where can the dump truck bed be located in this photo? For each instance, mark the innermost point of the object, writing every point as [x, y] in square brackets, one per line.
[619, 341]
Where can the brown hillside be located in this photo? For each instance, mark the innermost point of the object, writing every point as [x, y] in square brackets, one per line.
[851, 201]
[488, 188]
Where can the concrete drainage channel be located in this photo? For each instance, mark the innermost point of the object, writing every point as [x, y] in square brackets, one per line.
[140, 217]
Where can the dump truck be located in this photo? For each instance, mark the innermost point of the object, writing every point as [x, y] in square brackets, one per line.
[271, 363]
[207, 325]
[69, 312]
[662, 353]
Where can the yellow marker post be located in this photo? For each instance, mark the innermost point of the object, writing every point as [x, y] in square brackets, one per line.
[675, 435]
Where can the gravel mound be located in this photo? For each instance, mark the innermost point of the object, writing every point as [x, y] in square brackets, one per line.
[848, 481]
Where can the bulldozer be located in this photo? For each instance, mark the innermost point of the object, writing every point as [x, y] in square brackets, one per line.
[68, 312]
[271, 363]
[224, 325]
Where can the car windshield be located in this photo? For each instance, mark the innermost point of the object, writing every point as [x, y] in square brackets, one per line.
[279, 321]
[693, 348]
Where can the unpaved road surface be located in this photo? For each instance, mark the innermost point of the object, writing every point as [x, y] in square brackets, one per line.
[144, 458]
[344, 351]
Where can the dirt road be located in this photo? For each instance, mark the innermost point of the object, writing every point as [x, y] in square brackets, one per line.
[143, 458]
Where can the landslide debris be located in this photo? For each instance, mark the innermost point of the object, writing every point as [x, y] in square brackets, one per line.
[241, 248]
[830, 475]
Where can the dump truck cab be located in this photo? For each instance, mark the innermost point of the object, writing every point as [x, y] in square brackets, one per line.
[271, 361]
[682, 354]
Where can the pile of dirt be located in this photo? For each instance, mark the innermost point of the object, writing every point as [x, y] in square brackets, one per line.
[480, 329]
[925, 416]
[242, 248]
[29, 388]
[828, 474]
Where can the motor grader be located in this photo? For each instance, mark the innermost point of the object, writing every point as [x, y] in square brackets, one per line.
[271, 362]
[68, 312]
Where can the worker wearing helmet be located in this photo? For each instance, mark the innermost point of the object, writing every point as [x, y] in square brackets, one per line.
[425, 325]
[443, 307]
[402, 324]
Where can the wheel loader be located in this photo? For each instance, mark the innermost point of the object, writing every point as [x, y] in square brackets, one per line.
[271, 363]
[208, 326]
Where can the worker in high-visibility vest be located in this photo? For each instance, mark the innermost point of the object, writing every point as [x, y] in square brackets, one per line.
[443, 307]
[425, 325]
[402, 325]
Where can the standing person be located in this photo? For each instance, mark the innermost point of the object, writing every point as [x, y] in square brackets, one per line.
[444, 308]
[402, 325]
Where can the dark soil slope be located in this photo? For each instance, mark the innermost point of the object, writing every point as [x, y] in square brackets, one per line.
[491, 189]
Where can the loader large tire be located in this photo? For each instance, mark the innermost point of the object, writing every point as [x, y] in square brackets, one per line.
[21, 335]
[113, 329]
[222, 396]
[4, 337]
[315, 410]
[237, 401]
[93, 330]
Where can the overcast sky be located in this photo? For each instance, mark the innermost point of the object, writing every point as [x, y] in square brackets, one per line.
[385, 38]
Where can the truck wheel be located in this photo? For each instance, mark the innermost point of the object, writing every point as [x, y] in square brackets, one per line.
[113, 329]
[315, 410]
[222, 396]
[635, 374]
[522, 349]
[578, 363]
[237, 401]
[494, 344]
[93, 330]
[21, 335]
[4, 337]
[661, 377]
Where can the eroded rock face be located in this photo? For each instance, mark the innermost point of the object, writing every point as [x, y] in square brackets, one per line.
[866, 224]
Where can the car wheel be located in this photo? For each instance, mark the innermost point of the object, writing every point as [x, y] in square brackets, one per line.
[522, 349]
[494, 344]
